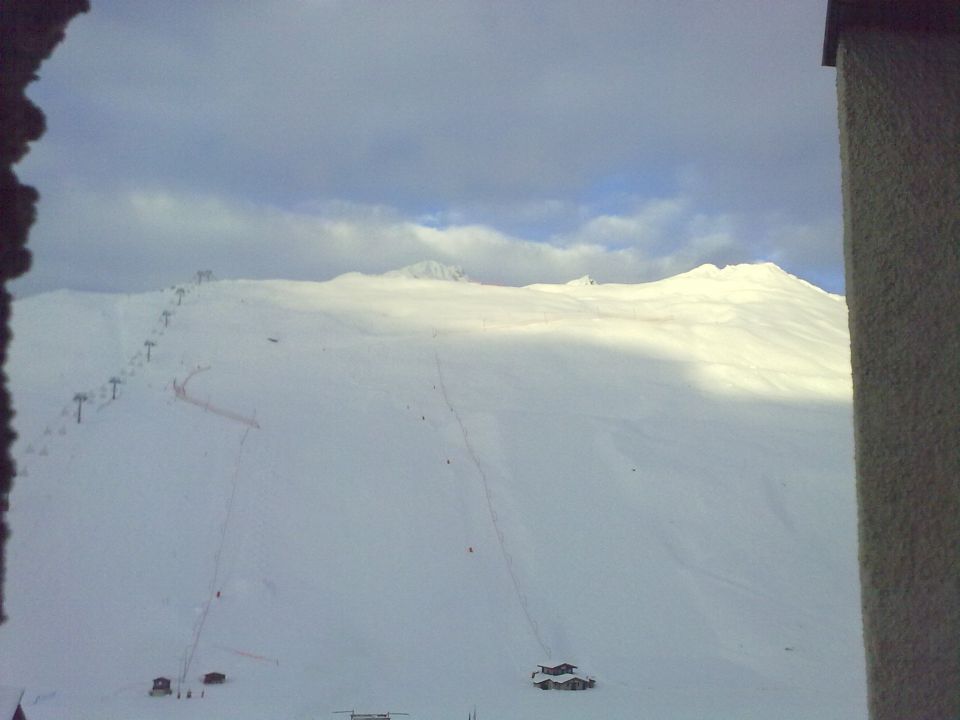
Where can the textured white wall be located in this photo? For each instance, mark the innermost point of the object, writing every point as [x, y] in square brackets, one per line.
[899, 102]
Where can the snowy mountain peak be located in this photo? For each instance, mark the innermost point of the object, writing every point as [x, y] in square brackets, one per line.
[430, 270]
[581, 281]
[765, 274]
[742, 271]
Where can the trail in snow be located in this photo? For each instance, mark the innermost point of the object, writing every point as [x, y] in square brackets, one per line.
[252, 656]
[70, 411]
[67, 416]
[690, 644]
[501, 540]
[129, 371]
[180, 390]
[214, 580]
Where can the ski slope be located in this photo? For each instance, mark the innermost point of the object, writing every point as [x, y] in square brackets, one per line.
[404, 493]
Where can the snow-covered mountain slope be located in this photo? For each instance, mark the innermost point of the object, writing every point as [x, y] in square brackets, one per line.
[386, 493]
[430, 270]
[583, 280]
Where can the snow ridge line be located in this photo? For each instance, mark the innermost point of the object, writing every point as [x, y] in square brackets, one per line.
[507, 557]
[180, 390]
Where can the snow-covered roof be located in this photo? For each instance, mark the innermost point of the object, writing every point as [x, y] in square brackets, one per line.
[542, 665]
[540, 677]
[9, 700]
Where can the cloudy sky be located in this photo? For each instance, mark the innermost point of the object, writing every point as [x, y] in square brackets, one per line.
[524, 140]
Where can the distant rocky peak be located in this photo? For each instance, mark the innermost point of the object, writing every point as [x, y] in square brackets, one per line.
[430, 270]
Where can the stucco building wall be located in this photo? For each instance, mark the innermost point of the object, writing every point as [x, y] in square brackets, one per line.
[899, 104]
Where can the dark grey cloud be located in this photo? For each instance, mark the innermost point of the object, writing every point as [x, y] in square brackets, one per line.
[526, 117]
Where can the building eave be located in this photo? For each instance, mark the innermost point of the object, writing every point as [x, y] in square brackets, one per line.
[925, 16]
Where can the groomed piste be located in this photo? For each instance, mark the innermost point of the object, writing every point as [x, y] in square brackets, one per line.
[403, 492]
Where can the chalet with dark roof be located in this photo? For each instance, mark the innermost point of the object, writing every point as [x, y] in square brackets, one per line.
[561, 677]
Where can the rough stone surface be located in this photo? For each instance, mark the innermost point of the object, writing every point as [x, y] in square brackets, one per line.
[899, 102]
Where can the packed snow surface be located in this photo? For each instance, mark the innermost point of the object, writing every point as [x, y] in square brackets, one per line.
[397, 494]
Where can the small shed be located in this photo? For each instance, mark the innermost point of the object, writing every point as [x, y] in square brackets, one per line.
[214, 678]
[161, 687]
[10, 708]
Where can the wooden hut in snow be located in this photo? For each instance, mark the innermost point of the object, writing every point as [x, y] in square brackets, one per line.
[214, 678]
[161, 687]
[561, 677]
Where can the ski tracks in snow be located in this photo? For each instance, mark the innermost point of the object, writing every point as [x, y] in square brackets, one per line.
[491, 510]
[217, 561]
[106, 393]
